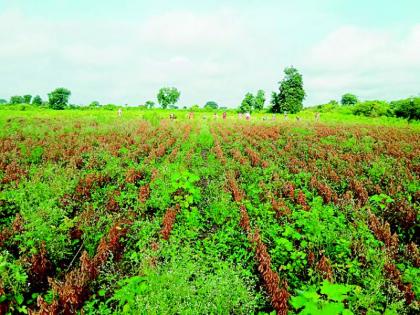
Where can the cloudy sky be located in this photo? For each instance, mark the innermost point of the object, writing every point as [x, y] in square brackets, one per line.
[123, 51]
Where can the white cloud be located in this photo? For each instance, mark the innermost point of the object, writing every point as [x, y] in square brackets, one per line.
[370, 63]
[219, 55]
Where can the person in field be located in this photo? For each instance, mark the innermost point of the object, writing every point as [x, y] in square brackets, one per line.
[240, 115]
[317, 116]
[119, 112]
[247, 116]
[215, 115]
[224, 115]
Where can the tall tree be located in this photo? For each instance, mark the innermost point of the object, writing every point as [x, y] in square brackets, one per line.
[259, 100]
[27, 98]
[37, 100]
[349, 99]
[3, 101]
[248, 103]
[168, 96]
[291, 93]
[59, 98]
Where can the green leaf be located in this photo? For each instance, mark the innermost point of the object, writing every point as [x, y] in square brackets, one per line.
[336, 292]
[332, 308]
[19, 299]
[101, 292]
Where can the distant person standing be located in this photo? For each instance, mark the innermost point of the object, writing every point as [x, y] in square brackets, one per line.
[247, 116]
[224, 115]
[317, 116]
[119, 112]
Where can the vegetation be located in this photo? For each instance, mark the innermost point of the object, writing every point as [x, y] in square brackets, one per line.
[408, 108]
[211, 105]
[59, 98]
[37, 100]
[291, 93]
[143, 214]
[168, 96]
[349, 99]
[253, 103]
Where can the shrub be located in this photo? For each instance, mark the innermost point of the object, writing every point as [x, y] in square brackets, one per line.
[408, 108]
[372, 109]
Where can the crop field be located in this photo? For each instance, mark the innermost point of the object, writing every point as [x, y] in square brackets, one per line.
[101, 214]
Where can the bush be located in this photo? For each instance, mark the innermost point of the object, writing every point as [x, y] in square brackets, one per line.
[372, 109]
[408, 108]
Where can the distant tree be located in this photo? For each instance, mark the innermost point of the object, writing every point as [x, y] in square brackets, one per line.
[95, 104]
[333, 102]
[259, 100]
[27, 99]
[291, 93]
[16, 100]
[195, 108]
[59, 98]
[149, 104]
[408, 108]
[349, 99]
[373, 108]
[211, 105]
[168, 96]
[37, 100]
[248, 103]
[3, 101]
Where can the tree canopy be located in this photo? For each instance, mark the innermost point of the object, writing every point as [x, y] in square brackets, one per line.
[211, 105]
[291, 93]
[349, 99]
[168, 96]
[247, 104]
[16, 99]
[259, 100]
[37, 100]
[59, 98]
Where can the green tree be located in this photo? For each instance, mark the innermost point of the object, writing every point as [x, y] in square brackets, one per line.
[291, 93]
[2, 101]
[59, 98]
[37, 100]
[373, 108]
[27, 99]
[168, 96]
[195, 108]
[16, 100]
[259, 100]
[408, 108]
[95, 104]
[349, 99]
[248, 103]
[149, 104]
[211, 105]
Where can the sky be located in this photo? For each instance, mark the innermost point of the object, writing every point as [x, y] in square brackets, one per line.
[123, 51]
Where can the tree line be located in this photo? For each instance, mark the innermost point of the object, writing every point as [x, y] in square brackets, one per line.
[288, 99]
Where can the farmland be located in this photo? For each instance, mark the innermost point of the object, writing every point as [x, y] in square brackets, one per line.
[143, 214]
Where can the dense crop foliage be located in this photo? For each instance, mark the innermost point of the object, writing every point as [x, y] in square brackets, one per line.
[138, 214]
